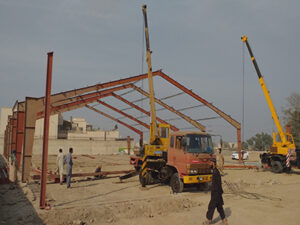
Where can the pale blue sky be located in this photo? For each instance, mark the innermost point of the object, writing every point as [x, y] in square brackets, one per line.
[196, 42]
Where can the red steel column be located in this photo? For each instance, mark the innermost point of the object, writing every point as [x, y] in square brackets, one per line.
[46, 131]
[14, 132]
[10, 127]
[5, 144]
[141, 140]
[239, 142]
[20, 136]
[128, 144]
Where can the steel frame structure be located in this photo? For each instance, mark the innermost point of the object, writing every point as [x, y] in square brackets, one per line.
[20, 134]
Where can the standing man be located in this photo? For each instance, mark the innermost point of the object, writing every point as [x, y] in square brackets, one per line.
[220, 161]
[216, 200]
[69, 166]
[60, 165]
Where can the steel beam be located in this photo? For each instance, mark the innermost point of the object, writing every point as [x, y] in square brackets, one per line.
[83, 101]
[31, 109]
[60, 98]
[14, 131]
[124, 114]
[128, 145]
[142, 110]
[230, 120]
[20, 136]
[4, 144]
[10, 128]
[46, 131]
[187, 118]
[118, 121]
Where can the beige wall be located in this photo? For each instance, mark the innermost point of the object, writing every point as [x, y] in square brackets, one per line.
[5, 112]
[80, 146]
[95, 135]
[53, 127]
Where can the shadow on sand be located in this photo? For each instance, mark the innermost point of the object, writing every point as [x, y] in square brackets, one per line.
[227, 214]
[15, 207]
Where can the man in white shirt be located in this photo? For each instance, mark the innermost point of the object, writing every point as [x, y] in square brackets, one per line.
[60, 164]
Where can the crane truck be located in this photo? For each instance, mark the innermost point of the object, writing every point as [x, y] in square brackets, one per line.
[281, 156]
[174, 158]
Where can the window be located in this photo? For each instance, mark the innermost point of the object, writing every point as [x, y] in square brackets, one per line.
[199, 143]
[172, 142]
[164, 132]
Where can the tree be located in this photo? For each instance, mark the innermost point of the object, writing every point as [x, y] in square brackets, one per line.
[260, 142]
[244, 145]
[292, 116]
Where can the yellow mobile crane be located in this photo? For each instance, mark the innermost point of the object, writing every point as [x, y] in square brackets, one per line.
[155, 152]
[278, 158]
[176, 158]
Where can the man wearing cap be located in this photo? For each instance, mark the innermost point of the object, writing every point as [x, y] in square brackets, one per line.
[216, 200]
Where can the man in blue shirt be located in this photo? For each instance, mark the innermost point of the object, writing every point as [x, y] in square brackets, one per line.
[69, 163]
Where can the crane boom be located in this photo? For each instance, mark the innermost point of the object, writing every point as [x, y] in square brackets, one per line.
[153, 125]
[266, 93]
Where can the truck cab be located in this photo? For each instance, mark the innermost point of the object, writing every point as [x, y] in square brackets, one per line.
[189, 155]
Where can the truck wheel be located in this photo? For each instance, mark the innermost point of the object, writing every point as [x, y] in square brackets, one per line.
[276, 166]
[142, 179]
[288, 169]
[176, 183]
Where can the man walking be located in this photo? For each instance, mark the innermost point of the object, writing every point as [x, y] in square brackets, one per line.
[69, 166]
[220, 161]
[60, 165]
[216, 200]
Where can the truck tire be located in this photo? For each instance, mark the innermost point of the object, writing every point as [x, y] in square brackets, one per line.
[176, 183]
[276, 166]
[142, 179]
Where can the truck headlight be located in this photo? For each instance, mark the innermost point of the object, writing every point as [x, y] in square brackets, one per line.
[192, 171]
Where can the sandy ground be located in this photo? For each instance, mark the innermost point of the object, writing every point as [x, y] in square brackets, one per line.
[250, 196]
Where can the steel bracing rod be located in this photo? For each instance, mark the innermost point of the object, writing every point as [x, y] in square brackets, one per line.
[82, 101]
[115, 119]
[124, 114]
[162, 109]
[142, 110]
[57, 98]
[208, 118]
[142, 99]
[188, 119]
[230, 120]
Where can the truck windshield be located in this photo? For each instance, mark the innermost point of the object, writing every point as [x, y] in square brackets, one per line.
[197, 143]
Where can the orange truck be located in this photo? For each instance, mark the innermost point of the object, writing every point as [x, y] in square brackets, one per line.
[185, 163]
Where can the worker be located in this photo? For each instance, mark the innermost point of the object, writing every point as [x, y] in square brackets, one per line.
[60, 165]
[69, 163]
[98, 170]
[216, 200]
[220, 161]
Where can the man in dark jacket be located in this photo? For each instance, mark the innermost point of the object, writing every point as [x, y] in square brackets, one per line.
[216, 200]
[69, 163]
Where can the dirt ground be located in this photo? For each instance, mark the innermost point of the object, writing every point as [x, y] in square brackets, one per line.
[250, 197]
